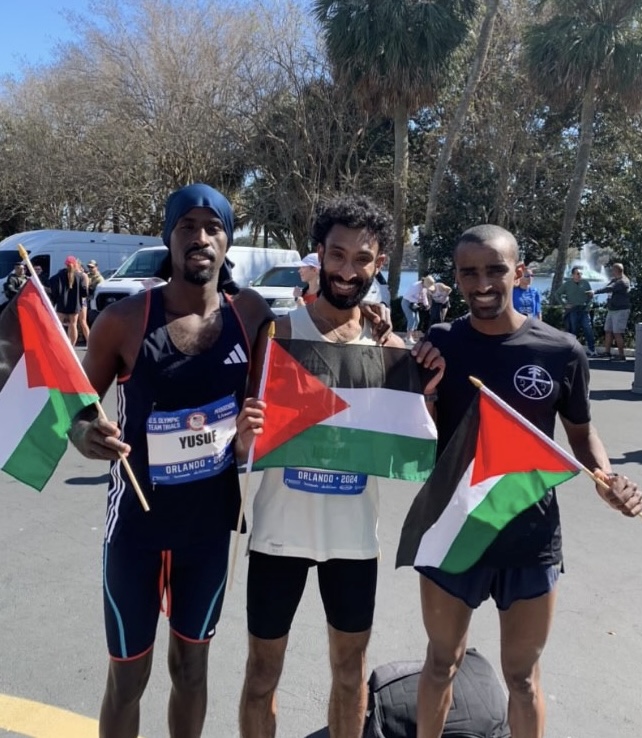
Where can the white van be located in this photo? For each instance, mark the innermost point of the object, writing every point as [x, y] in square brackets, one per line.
[49, 249]
[138, 272]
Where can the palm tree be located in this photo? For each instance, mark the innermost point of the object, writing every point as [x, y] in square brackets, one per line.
[591, 51]
[457, 123]
[392, 55]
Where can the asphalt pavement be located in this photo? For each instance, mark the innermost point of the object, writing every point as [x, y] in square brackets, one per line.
[52, 647]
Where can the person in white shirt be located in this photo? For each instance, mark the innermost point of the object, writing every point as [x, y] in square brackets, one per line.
[418, 294]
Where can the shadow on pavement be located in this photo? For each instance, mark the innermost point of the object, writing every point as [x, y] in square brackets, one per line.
[628, 457]
[616, 394]
[323, 733]
[80, 481]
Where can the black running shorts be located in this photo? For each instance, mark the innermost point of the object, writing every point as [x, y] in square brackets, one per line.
[275, 585]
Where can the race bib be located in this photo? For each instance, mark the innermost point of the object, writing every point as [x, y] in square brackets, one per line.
[186, 445]
[324, 482]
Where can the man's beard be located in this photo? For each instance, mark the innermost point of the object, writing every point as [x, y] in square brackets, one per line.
[201, 276]
[343, 302]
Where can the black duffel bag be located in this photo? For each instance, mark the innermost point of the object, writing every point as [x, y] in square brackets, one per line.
[478, 710]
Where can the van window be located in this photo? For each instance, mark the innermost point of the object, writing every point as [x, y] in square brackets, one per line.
[44, 261]
[7, 262]
[141, 264]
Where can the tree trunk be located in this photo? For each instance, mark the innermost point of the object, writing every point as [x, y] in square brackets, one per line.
[454, 129]
[400, 197]
[576, 189]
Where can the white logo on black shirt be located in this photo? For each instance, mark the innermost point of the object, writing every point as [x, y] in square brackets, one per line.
[533, 382]
[236, 356]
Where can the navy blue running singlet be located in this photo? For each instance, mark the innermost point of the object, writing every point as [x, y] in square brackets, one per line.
[177, 412]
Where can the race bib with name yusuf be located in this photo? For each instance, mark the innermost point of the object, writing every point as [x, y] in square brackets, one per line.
[188, 445]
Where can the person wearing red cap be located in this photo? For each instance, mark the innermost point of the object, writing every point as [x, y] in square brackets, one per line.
[68, 288]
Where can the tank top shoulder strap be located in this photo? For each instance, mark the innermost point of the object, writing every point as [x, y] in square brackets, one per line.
[303, 327]
[154, 310]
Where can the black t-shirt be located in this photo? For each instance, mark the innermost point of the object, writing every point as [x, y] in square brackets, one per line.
[537, 370]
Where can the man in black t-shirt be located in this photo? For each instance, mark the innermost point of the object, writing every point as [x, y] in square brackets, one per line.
[542, 373]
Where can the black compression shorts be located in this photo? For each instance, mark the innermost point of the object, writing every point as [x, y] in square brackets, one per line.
[275, 585]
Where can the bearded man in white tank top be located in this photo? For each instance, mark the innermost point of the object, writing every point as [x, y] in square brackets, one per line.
[336, 533]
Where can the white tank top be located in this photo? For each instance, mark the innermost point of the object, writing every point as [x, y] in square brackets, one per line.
[291, 521]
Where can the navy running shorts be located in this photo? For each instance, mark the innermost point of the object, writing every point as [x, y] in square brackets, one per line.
[275, 586]
[188, 584]
[505, 586]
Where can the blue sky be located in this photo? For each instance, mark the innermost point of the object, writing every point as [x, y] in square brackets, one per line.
[32, 28]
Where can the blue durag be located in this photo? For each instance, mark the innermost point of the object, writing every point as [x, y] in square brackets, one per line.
[197, 196]
[200, 196]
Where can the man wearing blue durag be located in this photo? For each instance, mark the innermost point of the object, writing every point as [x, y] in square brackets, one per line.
[180, 354]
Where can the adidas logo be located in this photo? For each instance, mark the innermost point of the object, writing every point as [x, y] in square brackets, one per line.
[236, 356]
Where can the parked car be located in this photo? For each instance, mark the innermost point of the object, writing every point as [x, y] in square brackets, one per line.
[277, 285]
[138, 273]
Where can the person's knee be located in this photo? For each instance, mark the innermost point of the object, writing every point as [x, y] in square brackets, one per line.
[126, 682]
[262, 672]
[188, 667]
[348, 669]
[522, 683]
[442, 663]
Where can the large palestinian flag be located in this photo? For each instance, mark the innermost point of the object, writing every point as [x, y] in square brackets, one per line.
[495, 466]
[42, 387]
[345, 407]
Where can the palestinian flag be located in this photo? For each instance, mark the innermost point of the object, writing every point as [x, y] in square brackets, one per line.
[345, 407]
[479, 485]
[42, 387]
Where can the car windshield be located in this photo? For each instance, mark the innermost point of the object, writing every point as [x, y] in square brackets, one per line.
[141, 264]
[7, 262]
[279, 276]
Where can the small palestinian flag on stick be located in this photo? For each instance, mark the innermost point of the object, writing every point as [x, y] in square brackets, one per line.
[42, 387]
[480, 484]
[345, 407]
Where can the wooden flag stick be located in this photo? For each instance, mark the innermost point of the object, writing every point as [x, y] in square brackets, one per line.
[482, 387]
[250, 461]
[101, 412]
[126, 465]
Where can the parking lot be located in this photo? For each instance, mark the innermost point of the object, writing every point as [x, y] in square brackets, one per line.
[51, 635]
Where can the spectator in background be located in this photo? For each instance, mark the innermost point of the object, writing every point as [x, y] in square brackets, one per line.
[84, 302]
[527, 299]
[309, 273]
[68, 287]
[618, 311]
[440, 302]
[94, 278]
[416, 297]
[15, 280]
[42, 277]
[576, 295]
